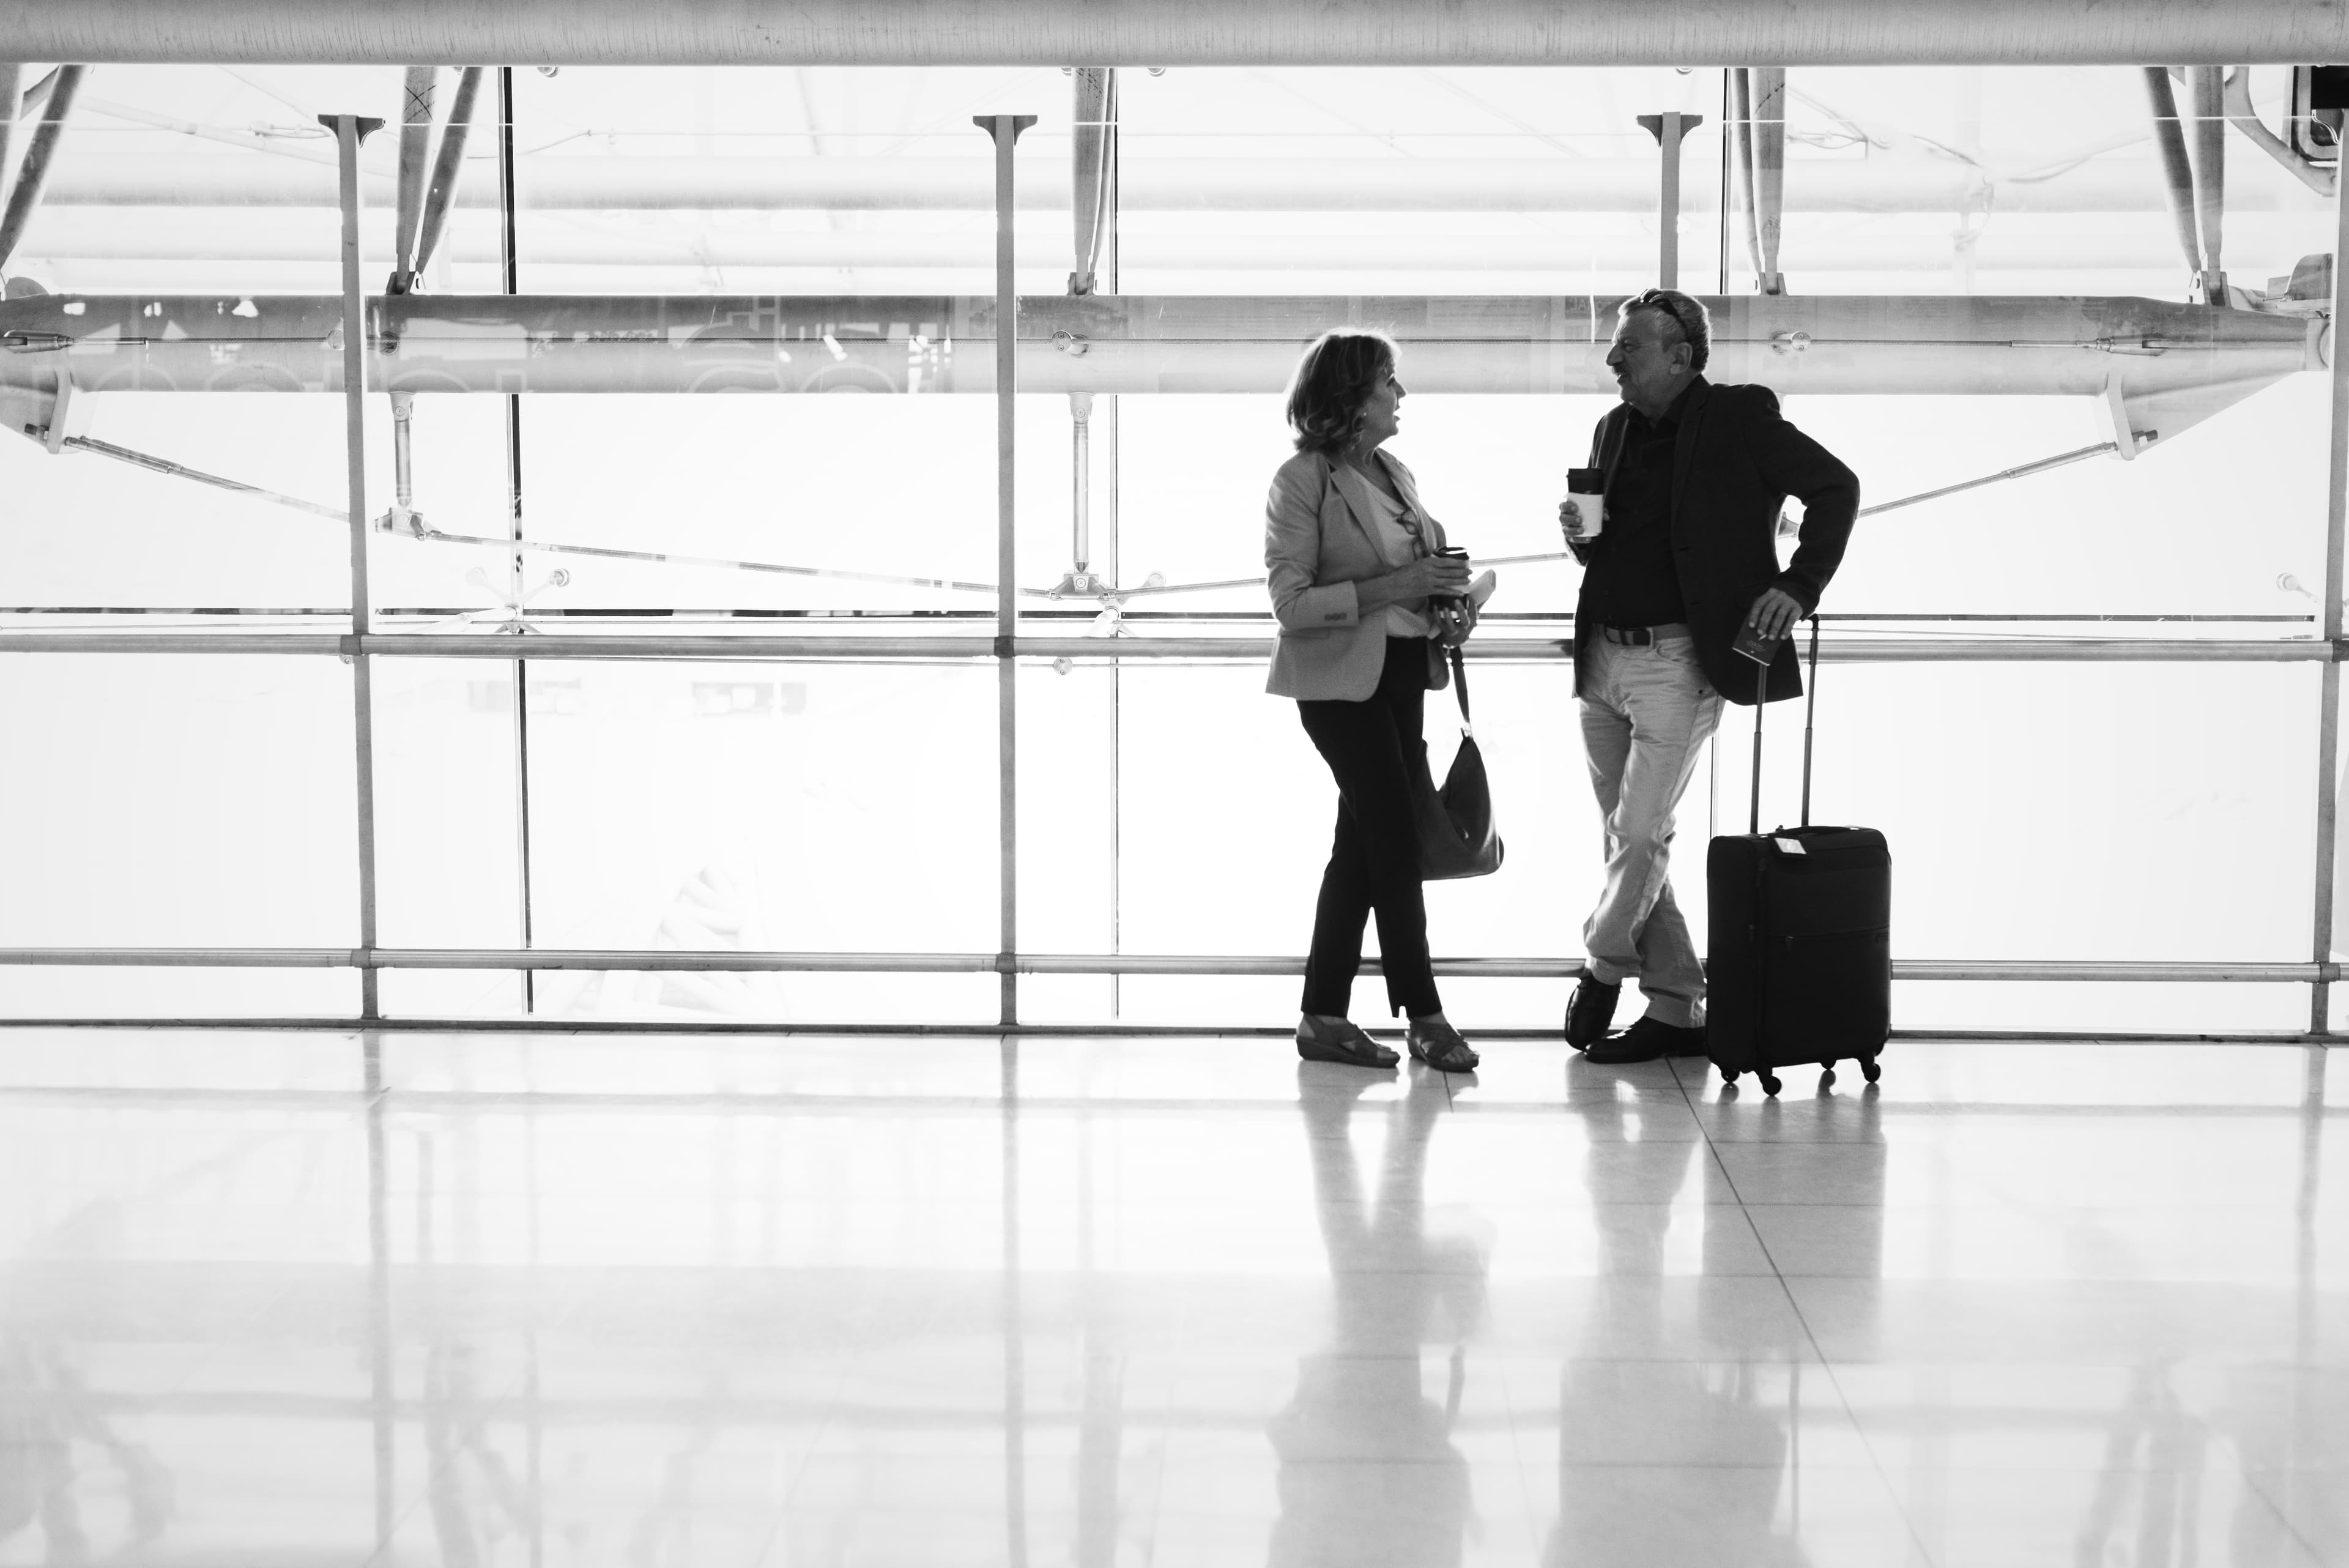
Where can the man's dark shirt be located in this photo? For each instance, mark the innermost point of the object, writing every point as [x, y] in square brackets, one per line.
[1633, 580]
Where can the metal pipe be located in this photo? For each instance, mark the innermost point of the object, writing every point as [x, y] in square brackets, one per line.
[415, 144]
[2021, 470]
[1012, 1313]
[1092, 194]
[670, 960]
[1668, 128]
[1052, 33]
[1004, 129]
[38, 93]
[848, 184]
[1769, 171]
[1539, 345]
[510, 281]
[447, 168]
[2206, 149]
[170, 470]
[1080, 499]
[2177, 173]
[350, 131]
[1739, 136]
[12, 105]
[755, 648]
[39, 154]
[383, 1392]
[2326, 870]
[1105, 251]
[403, 516]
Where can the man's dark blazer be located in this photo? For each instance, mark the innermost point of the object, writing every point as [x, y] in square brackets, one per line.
[1734, 462]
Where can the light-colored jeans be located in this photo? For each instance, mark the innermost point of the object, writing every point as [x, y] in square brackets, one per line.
[1647, 714]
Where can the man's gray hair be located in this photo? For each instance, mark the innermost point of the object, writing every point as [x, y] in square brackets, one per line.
[1684, 312]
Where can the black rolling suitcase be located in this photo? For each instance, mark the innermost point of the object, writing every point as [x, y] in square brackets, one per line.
[1798, 964]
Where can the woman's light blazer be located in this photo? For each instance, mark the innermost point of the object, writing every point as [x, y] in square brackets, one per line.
[1319, 542]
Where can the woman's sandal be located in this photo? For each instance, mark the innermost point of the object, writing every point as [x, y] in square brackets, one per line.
[1341, 1043]
[1437, 1044]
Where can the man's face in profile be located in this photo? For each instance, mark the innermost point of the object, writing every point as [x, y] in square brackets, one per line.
[1650, 358]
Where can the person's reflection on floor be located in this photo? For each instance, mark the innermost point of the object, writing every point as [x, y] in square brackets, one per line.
[1664, 1460]
[1369, 1473]
[57, 1442]
[479, 1500]
[2147, 1503]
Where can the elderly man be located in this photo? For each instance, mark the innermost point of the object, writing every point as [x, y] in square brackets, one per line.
[1685, 556]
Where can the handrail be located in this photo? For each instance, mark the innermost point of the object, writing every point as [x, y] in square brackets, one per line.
[554, 646]
[671, 959]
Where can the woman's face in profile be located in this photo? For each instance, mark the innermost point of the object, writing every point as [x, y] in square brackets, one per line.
[1382, 414]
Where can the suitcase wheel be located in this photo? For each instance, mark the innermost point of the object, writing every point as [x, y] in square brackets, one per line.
[1769, 1082]
[1729, 1078]
[1869, 1070]
[1827, 1077]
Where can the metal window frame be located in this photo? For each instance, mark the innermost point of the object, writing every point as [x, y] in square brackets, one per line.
[1007, 648]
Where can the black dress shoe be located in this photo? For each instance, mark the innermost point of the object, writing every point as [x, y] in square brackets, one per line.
[1648, 1040]
[1590, 1012]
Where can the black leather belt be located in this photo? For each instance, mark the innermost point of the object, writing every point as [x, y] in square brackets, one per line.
[1643, 636]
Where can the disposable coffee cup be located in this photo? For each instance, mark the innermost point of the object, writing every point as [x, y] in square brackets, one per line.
[1586, 488]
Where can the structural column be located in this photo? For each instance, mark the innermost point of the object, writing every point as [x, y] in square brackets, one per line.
[1005, 128]
[1668, 129]
[1094, 191]
[510, 282]
[350, 131]
[2336, 525]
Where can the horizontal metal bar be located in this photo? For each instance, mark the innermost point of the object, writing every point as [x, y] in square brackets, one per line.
[669, 960]
[2091, 970]
[2194, 360]
[1085, 612]
[193, 228]
[186, 958]
[860, 1030]
[144, 191]
[276, 642]
[1096, 649]
[1212, 33]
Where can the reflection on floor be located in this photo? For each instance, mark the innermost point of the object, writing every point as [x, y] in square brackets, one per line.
[933, 1302]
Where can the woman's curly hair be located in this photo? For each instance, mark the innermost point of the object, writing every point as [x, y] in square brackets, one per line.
[1332, 386]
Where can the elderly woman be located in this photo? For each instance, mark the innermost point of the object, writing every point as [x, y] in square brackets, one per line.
[1366, 606]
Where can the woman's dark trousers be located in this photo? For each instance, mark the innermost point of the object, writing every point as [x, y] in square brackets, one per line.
[1373, 746]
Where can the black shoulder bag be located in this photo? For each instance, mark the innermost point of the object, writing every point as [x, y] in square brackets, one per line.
[1456, 836]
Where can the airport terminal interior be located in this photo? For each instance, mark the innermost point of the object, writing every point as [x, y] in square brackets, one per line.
[610, 958]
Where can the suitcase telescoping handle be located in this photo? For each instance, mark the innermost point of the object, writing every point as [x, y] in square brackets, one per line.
[1810, 711]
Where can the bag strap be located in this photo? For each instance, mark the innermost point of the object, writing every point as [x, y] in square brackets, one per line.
[1460, 689]
[1810, 707]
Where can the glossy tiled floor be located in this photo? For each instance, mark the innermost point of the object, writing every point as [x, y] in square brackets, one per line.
[937, 1302]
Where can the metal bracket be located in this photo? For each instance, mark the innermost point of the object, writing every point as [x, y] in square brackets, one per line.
[2125, 440]
[54, 437]
[362, 125]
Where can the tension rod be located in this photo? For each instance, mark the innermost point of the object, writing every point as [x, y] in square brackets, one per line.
[181, 470]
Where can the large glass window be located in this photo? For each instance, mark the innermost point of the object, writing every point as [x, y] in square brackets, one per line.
[659, 672]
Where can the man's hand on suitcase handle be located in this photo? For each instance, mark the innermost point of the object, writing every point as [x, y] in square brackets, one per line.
[1773, 615]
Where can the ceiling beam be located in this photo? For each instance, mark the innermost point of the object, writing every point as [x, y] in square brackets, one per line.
[1176, 32]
